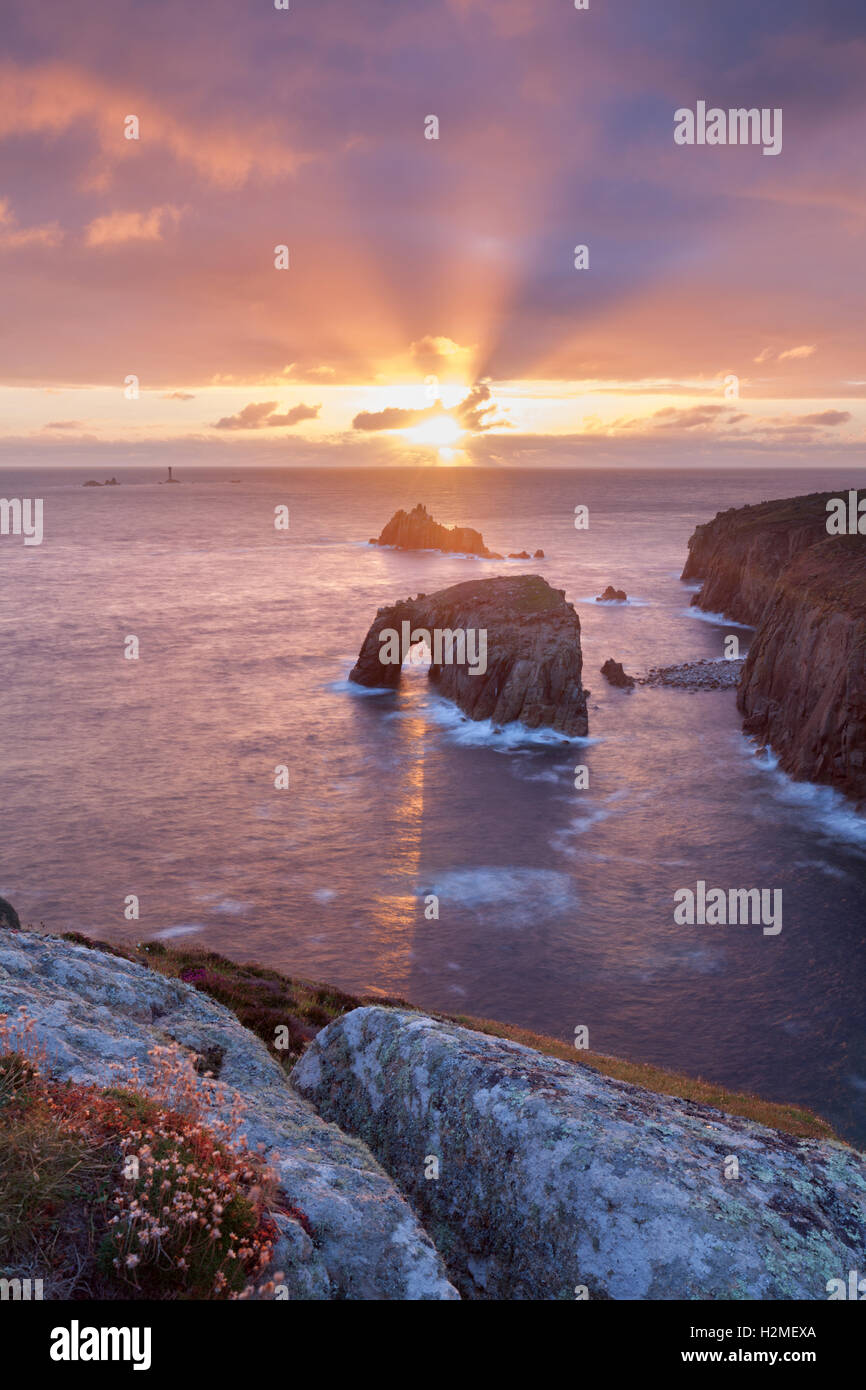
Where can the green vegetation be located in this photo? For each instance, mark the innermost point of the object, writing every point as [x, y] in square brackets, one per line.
[116, 1193]
[265, 1000]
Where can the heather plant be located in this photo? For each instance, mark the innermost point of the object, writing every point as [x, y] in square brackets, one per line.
[190, 1211]
[142, 1188]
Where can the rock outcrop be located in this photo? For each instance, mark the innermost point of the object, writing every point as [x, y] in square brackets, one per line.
[532, 663]
[416, 530]
[614, 674]
[612, 595]
[803, 686]
[92, 1009]
[551, 1176]
[8, 916]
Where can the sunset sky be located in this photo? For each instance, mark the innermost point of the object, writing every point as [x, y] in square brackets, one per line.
[411, 257]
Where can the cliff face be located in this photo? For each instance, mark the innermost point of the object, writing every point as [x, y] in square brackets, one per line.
[416, 530]
[538, 1176]
[803, 687]
[740, 553]
[532, 659]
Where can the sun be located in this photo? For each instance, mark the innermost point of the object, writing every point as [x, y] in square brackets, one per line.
[440, 431]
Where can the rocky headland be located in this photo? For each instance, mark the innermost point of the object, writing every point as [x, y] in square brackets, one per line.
[803, 685]
[740, 554]
[533, 662]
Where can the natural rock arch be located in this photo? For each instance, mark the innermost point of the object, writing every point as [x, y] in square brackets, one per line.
[531, 647]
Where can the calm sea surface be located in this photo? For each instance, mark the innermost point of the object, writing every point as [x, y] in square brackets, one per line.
[156, 777]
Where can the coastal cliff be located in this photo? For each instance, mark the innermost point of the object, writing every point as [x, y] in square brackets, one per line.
[533, 661]
[803, 685]
[741, 552]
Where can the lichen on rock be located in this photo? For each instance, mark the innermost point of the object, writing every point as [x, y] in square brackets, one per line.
[553, 1177]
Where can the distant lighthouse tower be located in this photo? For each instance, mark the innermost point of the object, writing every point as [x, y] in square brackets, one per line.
[170, 479]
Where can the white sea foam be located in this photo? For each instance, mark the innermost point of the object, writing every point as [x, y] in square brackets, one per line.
[824, 807]
[429, 550]
[185, 929]
[513, 897]
[324, 895]
[717, 619]
[698, 960]
[831, 870]
[220, 904]
[347, 687]
[592, 813]
[614, 602]
[548, 774]
[507, 738]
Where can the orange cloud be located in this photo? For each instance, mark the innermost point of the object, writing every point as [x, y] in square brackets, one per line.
[789, 355]
[130, 226]
[259, 415]
[794, 352]
[475, 413]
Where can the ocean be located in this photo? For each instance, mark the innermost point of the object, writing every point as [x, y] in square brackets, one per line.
[155, 777]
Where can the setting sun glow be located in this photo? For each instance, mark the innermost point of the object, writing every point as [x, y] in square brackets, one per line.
[441, 431]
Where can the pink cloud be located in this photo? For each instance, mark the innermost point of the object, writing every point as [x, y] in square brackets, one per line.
[118, 227]
[11, 235]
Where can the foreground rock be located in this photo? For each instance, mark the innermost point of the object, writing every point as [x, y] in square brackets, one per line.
[552, 1176]
[8, 916]
[614, 674]
[92, 1009]
[803, 687]
[533, 661]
